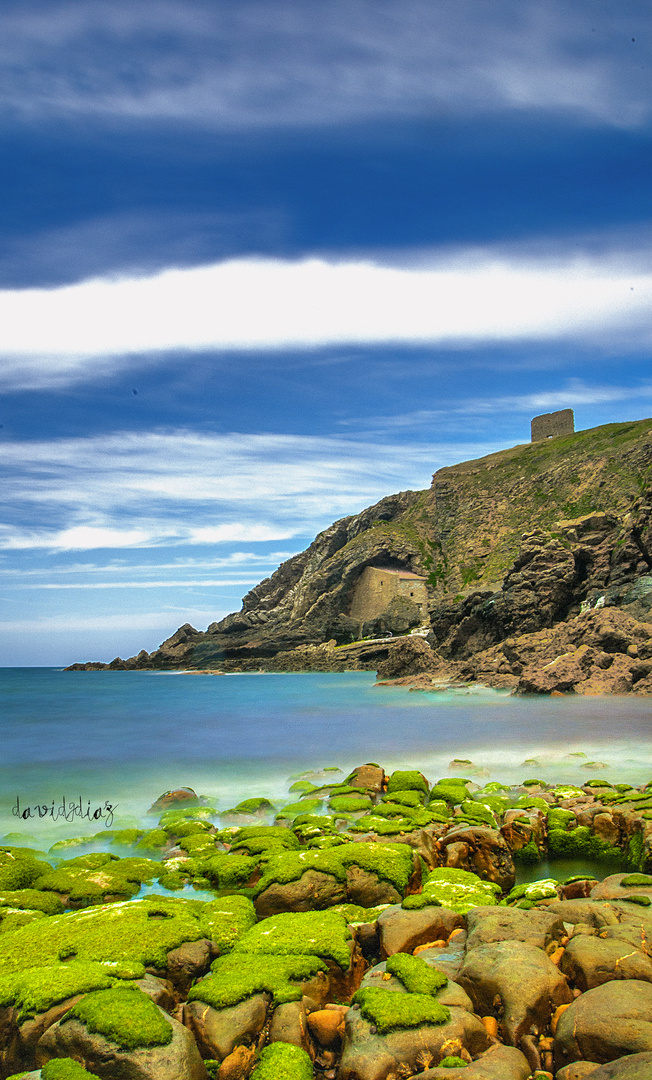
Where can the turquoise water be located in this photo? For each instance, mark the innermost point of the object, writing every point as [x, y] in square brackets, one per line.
[125, 737]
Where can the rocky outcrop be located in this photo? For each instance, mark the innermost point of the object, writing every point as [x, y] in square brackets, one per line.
[511, 545]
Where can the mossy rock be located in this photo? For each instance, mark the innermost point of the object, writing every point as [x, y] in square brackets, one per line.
[225, 869]
[417, 976]
[407, 780]
[258, 839]
[154, 840]
[136, 931]
[544, 889]
[356, 915]
[121, 837]
[191, 813]
[634, 880]
[452, 1061]
[388, 1010]
[11, 919]
[458, 890]
[293, 810]
[394, 826]
[125, 1016]
[19, 868]
[567, 791]
[89, 878]
[66, 1069]
[256, 805]
[324, 934]
[404, 798]
[451, 794]
[187, 828]
[234, 978]
[476, 812]
[349, 804]
[389, 862]
[302, 787]
[580, 843]
[283, 1061]
[531, 802]
[529, 853]
[37, 989]
[70, 844]
[561, 819]
[32, 900]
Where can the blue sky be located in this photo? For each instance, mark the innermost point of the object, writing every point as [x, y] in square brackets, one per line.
[266, 261]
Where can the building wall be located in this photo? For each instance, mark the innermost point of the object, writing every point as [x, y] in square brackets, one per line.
[377, 588]
[552, 423]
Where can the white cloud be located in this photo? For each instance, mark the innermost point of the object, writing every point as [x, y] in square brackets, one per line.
[165, 584]
[62, 623]
[180, 488]
[226, 64]
[51, 336]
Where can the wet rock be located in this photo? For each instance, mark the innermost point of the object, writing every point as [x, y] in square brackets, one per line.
[369, 1056]
[289, 1024]
[631, 1067]
[590, 961]
[179, 1060]
[409, 656]
[188, 962]
[401, 930]
[368, 890]
[519, 981]
[481, 851]
[184, 796]
[327, 1026]
[218, 1031]
[578, 1070]
[612, 888]
[312, 892]
[238, 1065]
[369, 776]
[497, 1063]
[606, 1023]
[536, 927]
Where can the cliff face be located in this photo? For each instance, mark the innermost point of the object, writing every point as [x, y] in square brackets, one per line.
[509, 544]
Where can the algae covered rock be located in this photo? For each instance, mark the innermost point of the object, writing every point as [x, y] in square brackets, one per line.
[457, 890]
[282, 1061]
[605, 1023]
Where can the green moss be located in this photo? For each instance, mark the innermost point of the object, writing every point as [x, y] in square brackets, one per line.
[32, 900]
[226, 869]
[407, 780]
[383, 826]
[561, 819]
[66, 1069]
[417, 976]
[529, 853]
[531, 802]
[498, 804]
[355, 915]
[89, 878]
[452, 1062]
[187, 828]
[302, 787]
[153, 840]
[293, 810]
[478, 812]
[597, 784]
[390, 862]
[11, 919]
[67, 845]
[388, 1010]
[567, 791]
[234, 978]
[349, 804]
[283, 1061]
[256, 805]
[258, 839]
[199, 845]
[544, 889]
[122, 837]
[457, 890]
[19, 868]
[38, 989]
[632, 880]
[493, 787]
[125, 1015]
[141, 931]
[191, 813]
[579, 843]
[450, 793]
[405, 798]
[321, 822]
[305, 933]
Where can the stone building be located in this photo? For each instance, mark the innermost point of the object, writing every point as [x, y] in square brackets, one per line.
[376, 589]
[552, 423]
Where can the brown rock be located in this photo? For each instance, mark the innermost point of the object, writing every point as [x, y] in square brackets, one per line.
[402, 930]
[536, 927]
[327, 1026]
[590, 961]
[606, 1023]
[218, 1031]
[179, 1060]
[289, 1024]
[238, 1065]
[313, 891]
[188, 962]
[631, 1067]
[523, 980]
[370, 777]
[610, 888]
[577, 1070]
[497, 1063]
[408, 656]
[481, 851]
[368, 890]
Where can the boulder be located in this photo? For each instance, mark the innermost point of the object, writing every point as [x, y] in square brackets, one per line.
[217, 1032]
[606, 1023]
[536, 927]
[289, 1024]
[370, 1056]
[313, 891]
[402, 930]
[179, 1060]
[497, 1063]
[631, 1067]
[188, 962]
[517, 980]
[590, 961]
[481, 851]
[408, 656]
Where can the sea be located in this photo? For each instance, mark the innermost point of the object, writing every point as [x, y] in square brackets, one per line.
[86, 751]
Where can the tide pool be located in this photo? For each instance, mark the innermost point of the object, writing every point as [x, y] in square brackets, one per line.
[123, 738]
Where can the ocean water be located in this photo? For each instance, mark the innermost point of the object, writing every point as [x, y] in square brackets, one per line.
[123, 738]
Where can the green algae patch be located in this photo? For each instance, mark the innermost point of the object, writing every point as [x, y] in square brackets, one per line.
[124, 1015]
[355, 915]
[476, 812]
[302, 787]
[324, 934]
[225, 869]
[11, 919]
[404, 798]
[37, 989]
[199, 845]
[153, 840]
[187, 828]
[383, 826]
[533, 891]
[349, 804]
[283, 1061]
[452, 1062]
[632, 880]
[294, 810]
[19, 868]
[390, 862]
[407, 780]
[450, 793]
[579, 843]
[258, 839]
[561, 819]
[458, 890]
[138, 931]
[89, 878]
[66, 1069]
[388, 1010]
[417, 976]
[31, 900]
[234, 978]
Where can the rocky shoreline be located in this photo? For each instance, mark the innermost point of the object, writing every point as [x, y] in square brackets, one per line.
[368, 929]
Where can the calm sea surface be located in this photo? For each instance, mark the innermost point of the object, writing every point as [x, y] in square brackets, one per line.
[125, 737]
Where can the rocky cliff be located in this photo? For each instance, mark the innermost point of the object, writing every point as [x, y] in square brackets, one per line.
[511, 544]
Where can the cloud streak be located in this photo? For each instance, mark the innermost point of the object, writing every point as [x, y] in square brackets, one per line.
[50, 337]
[229, 64]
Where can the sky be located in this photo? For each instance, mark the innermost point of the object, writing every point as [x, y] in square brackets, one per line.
[264, 262]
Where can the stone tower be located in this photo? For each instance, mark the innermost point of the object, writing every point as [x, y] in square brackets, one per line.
[553, 423]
